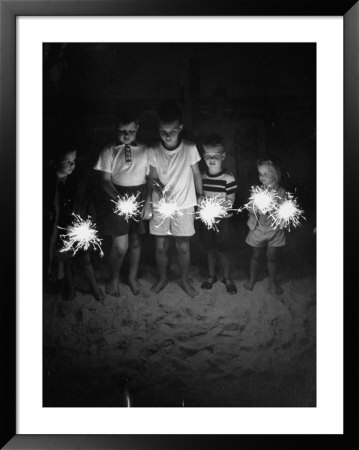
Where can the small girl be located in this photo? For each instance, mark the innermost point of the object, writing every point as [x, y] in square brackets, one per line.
[262, 235]
[64, 195]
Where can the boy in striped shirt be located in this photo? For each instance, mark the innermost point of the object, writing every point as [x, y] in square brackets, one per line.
[217, 182]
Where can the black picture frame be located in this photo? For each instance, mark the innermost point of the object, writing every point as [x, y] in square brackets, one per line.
[9, 10]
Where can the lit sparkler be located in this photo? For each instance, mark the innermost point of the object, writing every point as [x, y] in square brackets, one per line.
[167, 209]
[262, 199]
[212, 210]
[287, 213]
[128, 207]
[81, 234]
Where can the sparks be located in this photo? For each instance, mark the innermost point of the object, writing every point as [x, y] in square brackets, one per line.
[167, 209]
[262, 199]
[287, 213]
[212, 210]
[81, 234]
[128, 206]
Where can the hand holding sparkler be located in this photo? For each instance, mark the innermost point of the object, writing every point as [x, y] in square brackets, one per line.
[128, 207]
[158, 187]
[81, 234]
[262, 200]
[166, 209]
[287, 213]
[147, 211]
[212, 209]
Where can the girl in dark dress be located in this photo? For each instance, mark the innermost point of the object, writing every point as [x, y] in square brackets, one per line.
[65, 194]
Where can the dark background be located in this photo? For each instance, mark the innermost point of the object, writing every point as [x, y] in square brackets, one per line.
[260, 97]
[265, 93]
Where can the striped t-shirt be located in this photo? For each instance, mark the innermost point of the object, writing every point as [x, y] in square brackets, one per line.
[220, 185]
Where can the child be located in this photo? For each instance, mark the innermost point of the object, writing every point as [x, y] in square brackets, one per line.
[64, 195]
[123, 170]
[217, 182]
[262, 235]
[174, 165]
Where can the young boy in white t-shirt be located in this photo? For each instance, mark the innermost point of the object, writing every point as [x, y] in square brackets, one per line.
[124, 169]
[174, 165]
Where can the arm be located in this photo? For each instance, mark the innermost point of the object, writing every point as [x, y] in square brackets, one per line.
[108, 186]
[155, 183]
[147, 208]
[197, 180]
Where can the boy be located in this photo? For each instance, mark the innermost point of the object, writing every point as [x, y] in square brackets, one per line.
[64, 195]
[217, 182]
[123, 170]
[174, 165]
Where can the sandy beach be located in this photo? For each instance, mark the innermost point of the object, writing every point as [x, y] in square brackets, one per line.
[167, 349]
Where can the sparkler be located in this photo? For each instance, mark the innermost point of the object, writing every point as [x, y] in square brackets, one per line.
[128, 207]
[166, 208]
[212, 210]
[159, 187]
[262, 199]
[81, 234]
[287, 213]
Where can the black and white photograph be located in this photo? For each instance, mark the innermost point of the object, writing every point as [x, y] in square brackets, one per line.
[179, 224]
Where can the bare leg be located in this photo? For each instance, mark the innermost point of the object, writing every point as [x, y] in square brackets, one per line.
[118, 251]
[211, 262]
[69, 288]
[272, 264]
[90, 277]
[224, 259]
[184, 259]
[134, 255]
[162, 244]
[254, 266]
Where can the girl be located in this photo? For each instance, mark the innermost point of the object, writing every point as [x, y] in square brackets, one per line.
[63, 195]
[262, 235]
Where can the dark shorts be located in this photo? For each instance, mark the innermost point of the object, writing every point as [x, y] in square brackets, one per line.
[217, 240]
[111, 224]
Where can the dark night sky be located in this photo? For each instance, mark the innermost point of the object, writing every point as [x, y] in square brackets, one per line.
[154, 71]
[269, 93]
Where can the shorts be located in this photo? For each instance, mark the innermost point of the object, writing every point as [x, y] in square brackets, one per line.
[111, 224]
[181, 225]
[261, 237]
[217, 240]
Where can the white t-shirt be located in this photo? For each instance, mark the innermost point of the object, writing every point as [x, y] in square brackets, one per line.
[175, 172]
[126, 169]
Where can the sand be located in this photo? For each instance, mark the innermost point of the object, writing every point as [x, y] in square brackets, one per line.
[167, 349]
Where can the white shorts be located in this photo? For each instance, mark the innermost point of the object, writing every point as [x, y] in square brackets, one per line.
[181, 225]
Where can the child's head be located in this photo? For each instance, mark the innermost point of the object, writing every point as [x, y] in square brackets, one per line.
[169, 124]
[269, 173]
[127, 125]
[64, 161]
[213, 153]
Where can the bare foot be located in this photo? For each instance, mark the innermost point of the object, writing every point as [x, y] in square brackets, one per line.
[248, 285]
[134, 286]
[230, 286]
[112, 288]
[156, 288]
[275, 289]
[98, 294]
[188, 288]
